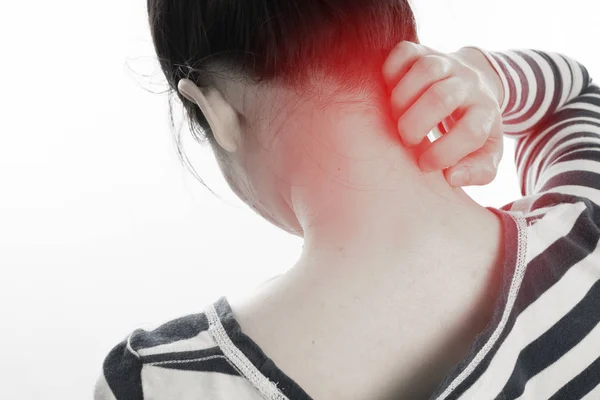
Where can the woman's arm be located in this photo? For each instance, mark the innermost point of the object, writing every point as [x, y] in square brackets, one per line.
[550, 105]
[535, 84]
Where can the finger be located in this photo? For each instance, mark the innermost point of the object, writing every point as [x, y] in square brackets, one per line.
[438, 102]
[400, 59]
[469, 134]
[421, 76]
[481, 166]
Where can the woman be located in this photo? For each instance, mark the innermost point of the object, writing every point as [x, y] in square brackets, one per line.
[406, 288]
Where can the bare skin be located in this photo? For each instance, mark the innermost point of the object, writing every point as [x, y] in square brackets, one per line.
[343, 331]
[399, 270]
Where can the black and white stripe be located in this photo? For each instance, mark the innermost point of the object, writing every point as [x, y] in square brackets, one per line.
[553, 110]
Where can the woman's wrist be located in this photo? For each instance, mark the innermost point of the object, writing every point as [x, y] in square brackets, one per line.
[477, 60]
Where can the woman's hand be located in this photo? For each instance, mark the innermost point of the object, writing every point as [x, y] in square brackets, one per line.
[449, 91]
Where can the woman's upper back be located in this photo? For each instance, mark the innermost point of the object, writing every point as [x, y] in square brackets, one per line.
[543, 339]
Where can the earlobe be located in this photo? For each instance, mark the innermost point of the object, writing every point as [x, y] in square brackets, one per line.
[221, 117]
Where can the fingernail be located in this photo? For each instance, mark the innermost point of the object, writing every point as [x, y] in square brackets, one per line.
[459, 177]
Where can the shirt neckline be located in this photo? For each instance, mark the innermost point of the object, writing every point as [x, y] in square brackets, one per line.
[248, 357]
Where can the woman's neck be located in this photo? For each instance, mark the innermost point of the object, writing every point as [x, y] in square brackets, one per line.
[397, 268]
[369, 238]
[368, 200]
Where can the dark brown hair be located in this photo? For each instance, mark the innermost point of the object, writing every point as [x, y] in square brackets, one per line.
[346, 41]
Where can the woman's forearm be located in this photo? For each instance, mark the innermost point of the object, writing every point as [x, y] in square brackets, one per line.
[535, 84]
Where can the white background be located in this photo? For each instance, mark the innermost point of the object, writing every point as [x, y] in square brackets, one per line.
[103, 230]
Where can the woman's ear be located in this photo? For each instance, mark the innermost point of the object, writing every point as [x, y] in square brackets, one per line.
[221, 116]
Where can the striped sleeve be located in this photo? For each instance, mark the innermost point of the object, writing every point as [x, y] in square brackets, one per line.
[552, 108]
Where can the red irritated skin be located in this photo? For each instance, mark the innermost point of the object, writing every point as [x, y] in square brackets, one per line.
[460, 95]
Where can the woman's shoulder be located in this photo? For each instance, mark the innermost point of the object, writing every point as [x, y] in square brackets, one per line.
[173, 359]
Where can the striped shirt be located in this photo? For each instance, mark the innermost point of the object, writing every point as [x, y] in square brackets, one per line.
[543, 341]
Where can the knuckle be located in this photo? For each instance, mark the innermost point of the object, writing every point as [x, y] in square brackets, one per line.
[402, 52]
[490, 169]
[466, 85]
[406, 48]
[475, 129]
[488, 119]
[481, 123]
[473, 76]
[479, 135]
[442, 97]
[435, 66]
[471, 85]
